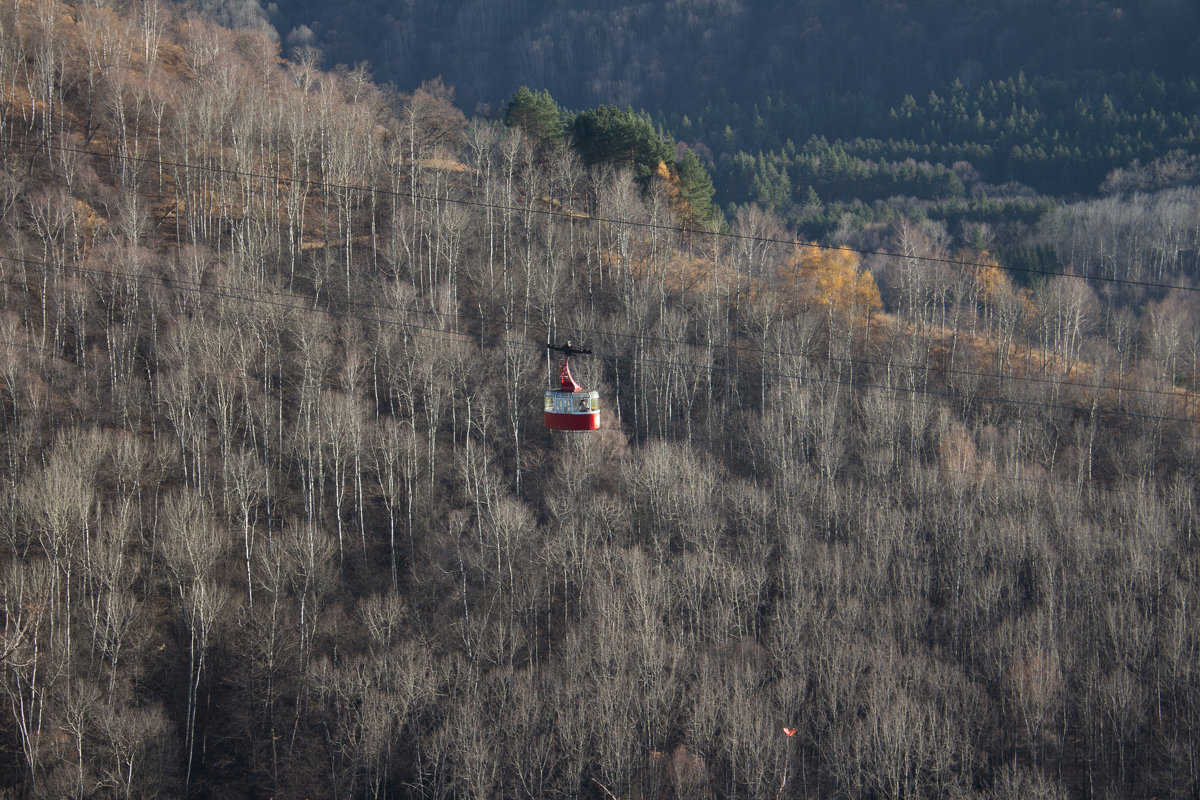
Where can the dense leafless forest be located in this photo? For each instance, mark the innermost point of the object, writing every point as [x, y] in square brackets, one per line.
[280, 518]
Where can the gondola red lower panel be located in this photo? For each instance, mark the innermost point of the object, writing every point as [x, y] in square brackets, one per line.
[589, 421]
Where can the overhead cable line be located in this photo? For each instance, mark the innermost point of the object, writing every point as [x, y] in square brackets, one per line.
[959, 262]
[977, 474]
[580, 217]
[228, 295]
[919, 394]
[302, 304]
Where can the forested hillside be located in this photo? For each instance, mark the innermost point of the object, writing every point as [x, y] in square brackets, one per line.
[677, 56]
[826, 113]
[281, 519]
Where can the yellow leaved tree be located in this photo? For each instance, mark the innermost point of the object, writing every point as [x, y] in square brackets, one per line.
[829, 277]
[995, 289]
[991, 280]
[1006, 308]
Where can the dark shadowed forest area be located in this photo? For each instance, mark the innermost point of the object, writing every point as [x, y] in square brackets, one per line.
[678, 55]
[281, 519]
[984, 112]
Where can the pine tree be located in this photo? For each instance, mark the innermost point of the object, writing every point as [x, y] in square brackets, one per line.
[537, 114]
[609, 134]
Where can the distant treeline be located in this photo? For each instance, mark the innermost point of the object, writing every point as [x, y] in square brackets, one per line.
[818, 111]
[678, 56]
[1002, 153]
[1057, 138]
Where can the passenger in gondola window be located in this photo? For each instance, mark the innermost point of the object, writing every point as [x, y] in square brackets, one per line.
[583, 404]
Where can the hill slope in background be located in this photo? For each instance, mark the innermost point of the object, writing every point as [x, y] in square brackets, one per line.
[677, 56]
[818, 110]
[280, 517]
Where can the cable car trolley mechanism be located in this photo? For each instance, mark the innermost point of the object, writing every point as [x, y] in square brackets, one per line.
[570, 407]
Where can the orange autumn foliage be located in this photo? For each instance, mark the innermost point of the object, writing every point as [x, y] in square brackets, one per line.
[831, 277]
[995, 287]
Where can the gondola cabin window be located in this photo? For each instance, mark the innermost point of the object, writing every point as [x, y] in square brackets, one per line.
[572, 411]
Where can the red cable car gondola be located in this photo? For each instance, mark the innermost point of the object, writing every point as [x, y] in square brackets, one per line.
[570, 407]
